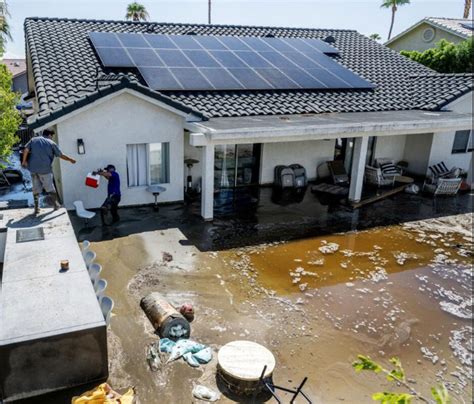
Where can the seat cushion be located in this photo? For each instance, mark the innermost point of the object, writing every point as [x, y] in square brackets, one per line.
[389, 169]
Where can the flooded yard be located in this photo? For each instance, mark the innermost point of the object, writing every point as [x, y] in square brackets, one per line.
[315, 303]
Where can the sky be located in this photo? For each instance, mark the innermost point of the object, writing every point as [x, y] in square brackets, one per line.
[364, 16]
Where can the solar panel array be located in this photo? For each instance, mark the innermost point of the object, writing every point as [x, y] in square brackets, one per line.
[192, 62]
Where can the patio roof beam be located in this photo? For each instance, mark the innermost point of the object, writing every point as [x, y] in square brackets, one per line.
[270, 129]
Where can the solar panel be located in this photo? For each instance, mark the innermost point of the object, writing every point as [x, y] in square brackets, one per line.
[193, 62]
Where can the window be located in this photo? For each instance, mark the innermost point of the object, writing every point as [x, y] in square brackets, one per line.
[462, 142]
[159, 163]
[147, 164]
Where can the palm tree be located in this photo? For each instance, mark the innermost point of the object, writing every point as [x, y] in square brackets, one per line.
[393, 4]
[4, 26]
[375, 37]
[137, 12]
[467, 8]
[209, 11]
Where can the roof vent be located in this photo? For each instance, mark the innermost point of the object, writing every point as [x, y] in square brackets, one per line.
[329, 39]
[190, 33]
[269, 35]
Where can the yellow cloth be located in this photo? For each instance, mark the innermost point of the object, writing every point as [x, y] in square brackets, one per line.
[103, 394]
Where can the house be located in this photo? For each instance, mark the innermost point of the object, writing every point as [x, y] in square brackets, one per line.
[17, 68]
[426, 33]
[389, 106]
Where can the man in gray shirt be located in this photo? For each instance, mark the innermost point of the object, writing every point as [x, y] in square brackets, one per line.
[38, 156]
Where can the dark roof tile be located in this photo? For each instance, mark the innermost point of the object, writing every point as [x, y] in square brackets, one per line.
[65, 68]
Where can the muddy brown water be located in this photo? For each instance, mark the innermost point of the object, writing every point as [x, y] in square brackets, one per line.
[379, 294]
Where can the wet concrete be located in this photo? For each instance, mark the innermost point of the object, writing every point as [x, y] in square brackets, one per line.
[256, 216]
[393, 290]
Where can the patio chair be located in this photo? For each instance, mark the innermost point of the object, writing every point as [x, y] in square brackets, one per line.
[85, 245]
[338, 172]
[82, 212]
[94, 272]
[374, 176]
[388, 167]
[100, 287]
[439, 170]
[106, 305]
[443, 186]
[89, 258]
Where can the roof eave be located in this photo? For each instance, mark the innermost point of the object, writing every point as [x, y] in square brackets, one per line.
[38, 122]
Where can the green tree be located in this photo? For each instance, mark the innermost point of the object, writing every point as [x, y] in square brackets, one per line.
[10, 118]
[446, 57]
[397, 375]
[393, 5]
[4, 26]
[375, 37]
[137, 12]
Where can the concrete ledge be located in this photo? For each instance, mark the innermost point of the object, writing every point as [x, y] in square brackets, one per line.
[52, 332]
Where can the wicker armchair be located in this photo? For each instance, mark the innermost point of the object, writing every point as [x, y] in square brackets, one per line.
[374, 176]
[443, 186]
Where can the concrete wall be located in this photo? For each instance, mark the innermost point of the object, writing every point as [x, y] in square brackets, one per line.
[391, 147]
[310, 154]
[413, 40]
[106, 129]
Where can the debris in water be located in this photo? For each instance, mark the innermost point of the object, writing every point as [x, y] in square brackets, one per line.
[205, 393]
[460, 342]
[328, 248]
[167, 257]
[153, 356]
[429, 355]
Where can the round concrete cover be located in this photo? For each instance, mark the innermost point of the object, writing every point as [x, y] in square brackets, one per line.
[244, 360]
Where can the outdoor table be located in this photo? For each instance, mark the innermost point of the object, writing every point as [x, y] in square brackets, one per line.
[156, 190]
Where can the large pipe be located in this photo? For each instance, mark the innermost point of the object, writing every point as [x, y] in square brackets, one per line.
[166, 320]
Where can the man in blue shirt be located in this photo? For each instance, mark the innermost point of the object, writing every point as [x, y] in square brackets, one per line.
[113, 191]
[38, 157]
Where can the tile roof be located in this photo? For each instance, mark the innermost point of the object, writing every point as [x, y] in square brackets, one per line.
[15, 66]
[452, 24]
[65, 68]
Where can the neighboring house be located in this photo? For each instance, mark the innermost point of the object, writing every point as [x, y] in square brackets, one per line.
[426, 33]
[238, 136]
[17, 68]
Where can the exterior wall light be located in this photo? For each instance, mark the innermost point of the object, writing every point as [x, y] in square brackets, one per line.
[81, 149]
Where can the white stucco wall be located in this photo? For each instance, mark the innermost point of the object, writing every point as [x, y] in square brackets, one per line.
[310, 154]
[193, 153]
[106, 129]
[441, 149]
[417, 152]
[424, 150]
[390, 147]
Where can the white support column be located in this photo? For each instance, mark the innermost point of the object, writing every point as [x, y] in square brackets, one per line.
[358, 168]
[207, 192]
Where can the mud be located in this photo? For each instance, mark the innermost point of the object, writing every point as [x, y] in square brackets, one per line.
[397, 290]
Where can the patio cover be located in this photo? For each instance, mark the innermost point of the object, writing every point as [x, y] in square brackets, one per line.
[285, 128]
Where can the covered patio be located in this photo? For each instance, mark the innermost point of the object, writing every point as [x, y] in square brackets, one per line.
[286, 130]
